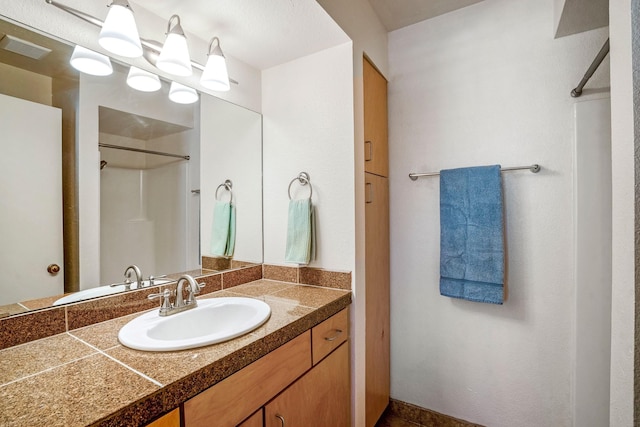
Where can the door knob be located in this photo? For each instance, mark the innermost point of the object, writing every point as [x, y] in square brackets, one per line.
[53, 269]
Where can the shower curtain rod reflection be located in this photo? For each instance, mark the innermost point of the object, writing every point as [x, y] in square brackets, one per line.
[533, 168]
[139, 150]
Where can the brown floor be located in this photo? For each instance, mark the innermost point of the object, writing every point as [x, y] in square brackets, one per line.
[389, 420]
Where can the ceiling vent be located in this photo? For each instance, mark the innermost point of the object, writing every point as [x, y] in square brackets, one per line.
[23, 47]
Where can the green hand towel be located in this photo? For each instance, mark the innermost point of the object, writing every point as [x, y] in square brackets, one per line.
[300, 247]
[231, 240]
[223, 232]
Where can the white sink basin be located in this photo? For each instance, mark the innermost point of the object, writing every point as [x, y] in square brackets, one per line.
[214, 320]
[100, 291]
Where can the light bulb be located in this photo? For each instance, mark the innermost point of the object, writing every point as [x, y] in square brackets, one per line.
[143, 80]
[174, 57]
[215, 75]
[182, 94]
[119, 34]
[90, 62]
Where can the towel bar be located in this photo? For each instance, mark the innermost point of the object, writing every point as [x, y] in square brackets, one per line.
[303, 178]
[227, 185]
[533, 168]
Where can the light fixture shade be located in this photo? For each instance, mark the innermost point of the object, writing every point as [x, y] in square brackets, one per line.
[143, 80]
[174, 57]
[119, 33]
[215, 75]
[90, 62]
[182, 94]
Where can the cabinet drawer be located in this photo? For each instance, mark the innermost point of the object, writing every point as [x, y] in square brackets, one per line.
[328, 335]
[235, 398]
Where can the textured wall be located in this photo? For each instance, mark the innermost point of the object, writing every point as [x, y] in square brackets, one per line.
[483, 85]
[308, 126]
[635, 19]
[622, 155]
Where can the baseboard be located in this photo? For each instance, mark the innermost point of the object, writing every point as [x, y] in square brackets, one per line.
[425, 417]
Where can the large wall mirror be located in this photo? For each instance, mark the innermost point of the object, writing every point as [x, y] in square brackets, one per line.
[141, 177]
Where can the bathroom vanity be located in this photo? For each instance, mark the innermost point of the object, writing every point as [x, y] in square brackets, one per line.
[294, 369]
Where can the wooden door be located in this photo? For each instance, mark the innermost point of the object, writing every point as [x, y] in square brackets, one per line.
[376, 297]
[320, 398]
[375, 121]
[30, 200]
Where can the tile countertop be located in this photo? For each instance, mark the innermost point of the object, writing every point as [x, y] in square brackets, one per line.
[85, 377]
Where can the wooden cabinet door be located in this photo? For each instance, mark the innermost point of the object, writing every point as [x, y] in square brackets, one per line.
[376, 297]
[375, 121]
[233, 399]
[320, 398]
[172, 419]
[255, 420]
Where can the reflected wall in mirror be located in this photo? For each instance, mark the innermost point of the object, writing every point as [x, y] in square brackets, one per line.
[122, 207]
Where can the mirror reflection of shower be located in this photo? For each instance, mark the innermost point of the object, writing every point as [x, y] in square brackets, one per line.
[143, 194]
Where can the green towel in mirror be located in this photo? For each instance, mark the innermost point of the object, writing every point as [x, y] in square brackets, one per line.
[223, 232]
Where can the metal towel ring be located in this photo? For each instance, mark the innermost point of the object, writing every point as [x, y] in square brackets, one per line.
[227, 185]
[303, 178]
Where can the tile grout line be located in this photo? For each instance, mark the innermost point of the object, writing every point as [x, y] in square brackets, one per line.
[47, 370]
[159, 384]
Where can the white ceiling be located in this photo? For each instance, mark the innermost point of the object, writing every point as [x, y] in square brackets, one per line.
[396, 14]
[261, 33]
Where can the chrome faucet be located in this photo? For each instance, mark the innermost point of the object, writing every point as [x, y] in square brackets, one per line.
[180, 303]
[127, 274]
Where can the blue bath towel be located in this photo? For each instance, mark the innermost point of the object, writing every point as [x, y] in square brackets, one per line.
[472, 234]
[301, 233]
[223, 232]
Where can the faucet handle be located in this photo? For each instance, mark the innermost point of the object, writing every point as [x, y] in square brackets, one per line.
[152, 278]
[165, 299]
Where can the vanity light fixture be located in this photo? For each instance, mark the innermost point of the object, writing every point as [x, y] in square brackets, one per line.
[174, 57]
[215, 75]
[90, 62]
[182, 94]
[142, 80]
[119, 34]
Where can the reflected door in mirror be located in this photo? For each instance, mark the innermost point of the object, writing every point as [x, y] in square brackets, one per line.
[31, 200]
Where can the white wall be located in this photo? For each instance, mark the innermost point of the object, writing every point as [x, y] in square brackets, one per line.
[623, 305]
[486, 84]
[308, 126]
[592, 213]
[231, 149]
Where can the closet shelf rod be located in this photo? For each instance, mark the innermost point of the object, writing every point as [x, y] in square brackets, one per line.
[533, 168]
[139, 150]
[577, 91]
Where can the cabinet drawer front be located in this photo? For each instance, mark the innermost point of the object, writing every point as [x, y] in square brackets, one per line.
[328, 335]
[238, 396]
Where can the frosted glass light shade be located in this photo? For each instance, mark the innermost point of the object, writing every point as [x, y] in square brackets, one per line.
[174, 57]
[182, 94]
[90, 62]
[215, 75]
[143, 80]
[119, 33]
